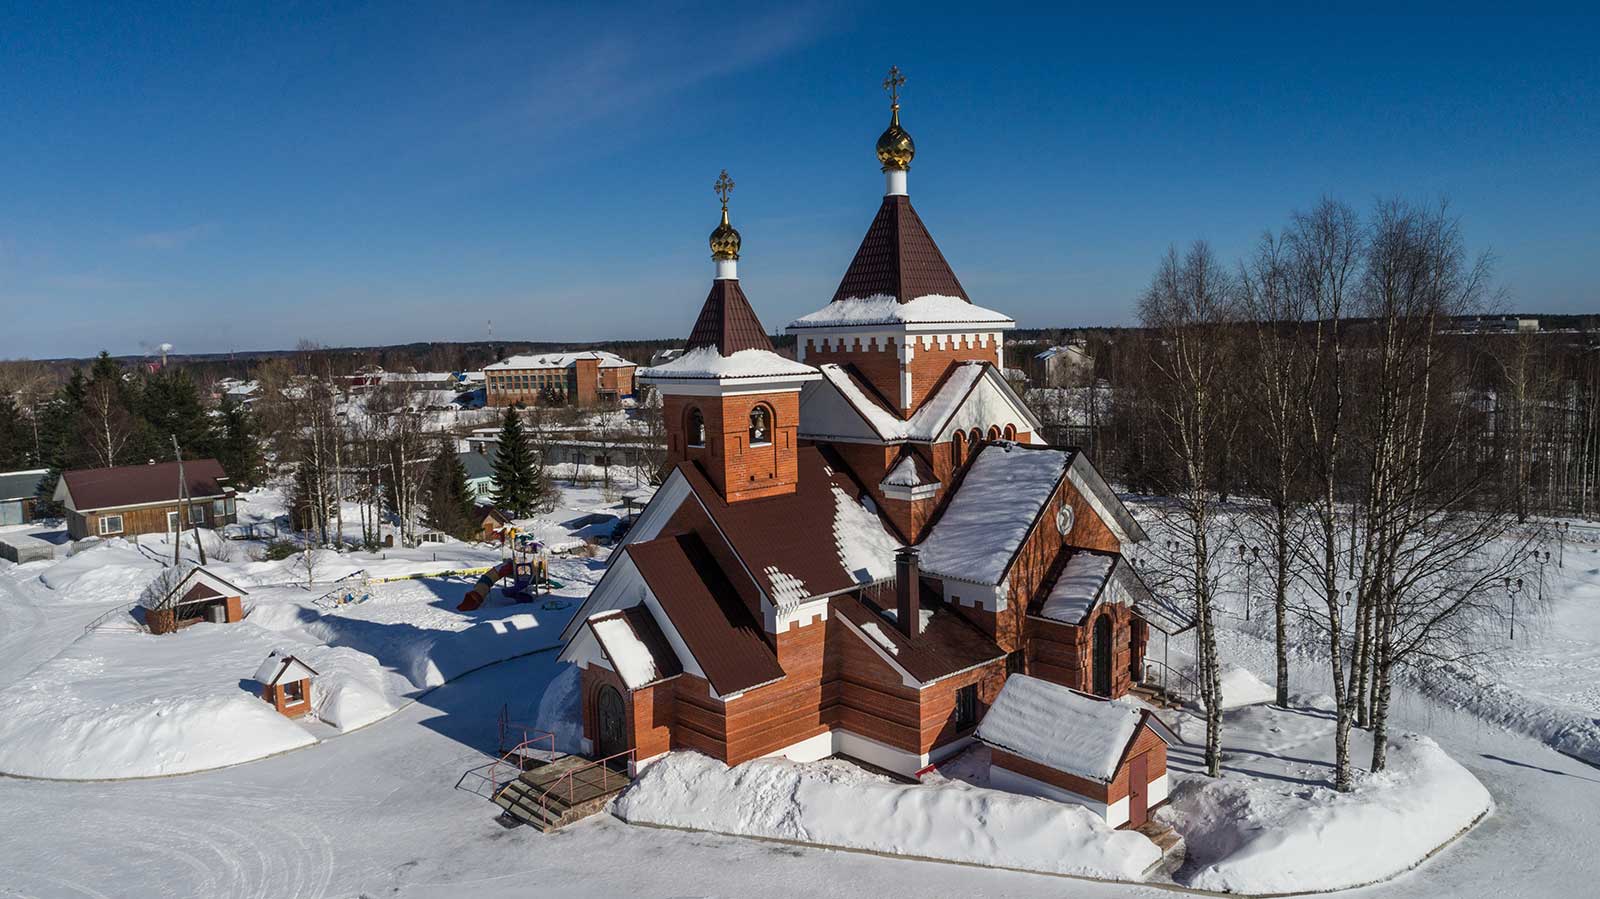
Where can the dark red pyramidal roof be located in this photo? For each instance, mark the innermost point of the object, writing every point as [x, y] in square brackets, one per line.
[727, 322]
[898, 258]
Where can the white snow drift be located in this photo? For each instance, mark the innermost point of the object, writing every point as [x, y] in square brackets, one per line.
[833, 803]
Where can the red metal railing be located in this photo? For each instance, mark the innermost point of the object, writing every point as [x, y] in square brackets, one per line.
[569, 779]
[519, 752]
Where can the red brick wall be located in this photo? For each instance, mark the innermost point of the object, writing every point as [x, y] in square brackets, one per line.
[618, 380]
[1064, 654]
[738, 470]
[587, 377]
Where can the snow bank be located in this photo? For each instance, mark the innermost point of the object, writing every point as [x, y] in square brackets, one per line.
[135, 705]
[1572, 731]
[561, 710]
[106, 571]
[1259, 835]
[836, 804]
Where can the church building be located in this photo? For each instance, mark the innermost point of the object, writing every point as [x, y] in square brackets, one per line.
[852, 550]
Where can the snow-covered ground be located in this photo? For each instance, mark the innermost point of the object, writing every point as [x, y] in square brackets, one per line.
[378, 811]
[112, 702]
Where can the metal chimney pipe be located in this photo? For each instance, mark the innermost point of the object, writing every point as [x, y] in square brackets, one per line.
[907, 591]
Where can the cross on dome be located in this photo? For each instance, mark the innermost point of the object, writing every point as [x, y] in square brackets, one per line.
[724, 240]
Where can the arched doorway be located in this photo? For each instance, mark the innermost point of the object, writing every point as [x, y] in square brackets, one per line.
[1102, 656]
[611, 733]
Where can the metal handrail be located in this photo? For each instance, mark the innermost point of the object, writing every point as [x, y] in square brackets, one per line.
[496, 785]
[133, 623]
[605, 778]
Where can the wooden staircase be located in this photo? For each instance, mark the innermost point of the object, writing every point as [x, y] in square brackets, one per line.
[556, 794]
[1169, 841]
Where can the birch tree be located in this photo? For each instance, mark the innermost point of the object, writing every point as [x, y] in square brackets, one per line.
[1191, 306]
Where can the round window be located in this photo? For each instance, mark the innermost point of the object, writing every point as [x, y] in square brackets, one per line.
[1064, 519]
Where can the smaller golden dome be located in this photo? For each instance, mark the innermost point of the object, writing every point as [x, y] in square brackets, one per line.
[895, 146]
[724, 240]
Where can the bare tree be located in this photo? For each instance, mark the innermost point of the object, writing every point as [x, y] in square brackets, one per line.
[108, 426]
[1192, 307]
[1273, 392]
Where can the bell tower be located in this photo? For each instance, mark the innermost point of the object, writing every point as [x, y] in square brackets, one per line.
[731, 403]
[900, 318]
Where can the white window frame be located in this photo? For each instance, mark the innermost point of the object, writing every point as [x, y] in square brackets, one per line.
[104, 530]
[197, 513]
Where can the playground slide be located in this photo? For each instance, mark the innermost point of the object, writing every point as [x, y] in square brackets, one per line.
[480, 590]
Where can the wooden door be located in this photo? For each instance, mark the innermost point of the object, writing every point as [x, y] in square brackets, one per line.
[611, 733]
[1138, 789]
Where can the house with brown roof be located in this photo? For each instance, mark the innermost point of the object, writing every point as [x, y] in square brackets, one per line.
[852, 550]
[145, 499]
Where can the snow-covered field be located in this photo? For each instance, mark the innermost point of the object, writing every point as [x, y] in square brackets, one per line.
[378, 811]
[116, 703]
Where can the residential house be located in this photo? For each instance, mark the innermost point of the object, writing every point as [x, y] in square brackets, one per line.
[145, 499]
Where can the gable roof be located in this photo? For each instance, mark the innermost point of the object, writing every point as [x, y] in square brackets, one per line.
[197, 584]
[898, 258]
[727, 322]
[1082, 579]
[1061, 728]
[134, 485]
[281, 667]
[638, 650]
[480, 464]
[706, 611]
[931, 421]
[818, 540]
[992, 511]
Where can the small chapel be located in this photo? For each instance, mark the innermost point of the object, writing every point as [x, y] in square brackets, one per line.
[853, 549]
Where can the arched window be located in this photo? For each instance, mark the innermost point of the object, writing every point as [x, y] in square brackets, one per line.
[760, 425]
[1011, 432]
[696, 429]
[975, 438]
[958, 447]
[994, 433]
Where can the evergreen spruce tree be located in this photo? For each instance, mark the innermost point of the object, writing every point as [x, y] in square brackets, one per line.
[237, 449]
[14, 443]
[170, 402]
[516, 488]
[448, 506]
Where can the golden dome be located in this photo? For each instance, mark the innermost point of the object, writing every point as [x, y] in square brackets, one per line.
[895, 146]
[724, 240]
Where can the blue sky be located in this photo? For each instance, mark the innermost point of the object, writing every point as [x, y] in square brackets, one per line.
[239, 176]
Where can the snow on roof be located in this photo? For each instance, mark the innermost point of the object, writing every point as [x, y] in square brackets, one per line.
[904, 473]
[281, 667]
[1060, 728]
[706, 362]
[865, 548]
[635, 665]
[557, 360]
[875, 630]
[991, 514]
[886, 310]
[1079, 585]
[925, 424]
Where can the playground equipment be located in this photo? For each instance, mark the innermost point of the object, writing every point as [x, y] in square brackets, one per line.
[529, 571]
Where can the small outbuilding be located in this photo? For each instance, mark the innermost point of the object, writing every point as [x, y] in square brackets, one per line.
[286, 683]
[197, 596]
[1051, 741]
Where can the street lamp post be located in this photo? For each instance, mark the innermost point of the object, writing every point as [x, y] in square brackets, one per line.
[1512, 589]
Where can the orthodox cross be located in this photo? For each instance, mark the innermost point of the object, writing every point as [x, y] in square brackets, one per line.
[892, 84]
[723, 187]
